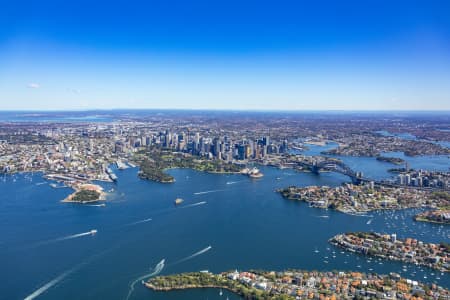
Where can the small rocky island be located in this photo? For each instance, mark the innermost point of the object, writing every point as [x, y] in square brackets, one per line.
[86, 193]
[409, 250]
[297, 284]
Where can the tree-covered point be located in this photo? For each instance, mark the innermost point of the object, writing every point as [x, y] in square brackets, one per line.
[155, 160]
[86, 195]
[393, 160]
[149, 169]
[200, 280]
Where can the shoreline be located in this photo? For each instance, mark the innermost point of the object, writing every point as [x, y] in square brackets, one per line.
[354, 242]
[189, 287]
[142, 175]
[421, 219]
[368, 199]
[359, 212]
[203, 171]
[292, 283]
[86, 186]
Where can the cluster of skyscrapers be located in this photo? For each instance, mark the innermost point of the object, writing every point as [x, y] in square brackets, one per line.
[424, 178]
[224, 148]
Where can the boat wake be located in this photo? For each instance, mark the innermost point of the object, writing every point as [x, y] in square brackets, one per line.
[194, 204]
[97, 205]
[55, 281]
[193, 255]
[49, 284]
[168, 210]
[139, 222]
[74, 236]
[360, 215]
[58, 279]
[208, 192]
[233, 182]
[69, 237]
[158, 268]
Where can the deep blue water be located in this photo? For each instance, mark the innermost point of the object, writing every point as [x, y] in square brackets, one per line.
[245, 222]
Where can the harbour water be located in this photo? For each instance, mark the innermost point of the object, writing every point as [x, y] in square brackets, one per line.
[226, 222]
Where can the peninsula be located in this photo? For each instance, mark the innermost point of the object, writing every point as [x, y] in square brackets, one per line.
[350, 198]
[409, 250]
[155, 160]
[297, 284]
[440, 216]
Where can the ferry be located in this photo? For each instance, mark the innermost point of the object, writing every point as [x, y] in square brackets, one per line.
[178, 201]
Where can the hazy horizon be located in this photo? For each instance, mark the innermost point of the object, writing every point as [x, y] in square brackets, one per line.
[306, 111]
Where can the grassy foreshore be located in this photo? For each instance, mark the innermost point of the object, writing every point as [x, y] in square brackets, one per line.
[297, 284]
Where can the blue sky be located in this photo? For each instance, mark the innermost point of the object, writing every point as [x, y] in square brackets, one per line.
[285, 55]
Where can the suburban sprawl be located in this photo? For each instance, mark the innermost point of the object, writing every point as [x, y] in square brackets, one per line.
[387, 246]
[296, 284]
[350, 198]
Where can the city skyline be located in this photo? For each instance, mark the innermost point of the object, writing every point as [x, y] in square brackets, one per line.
[253, 56]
